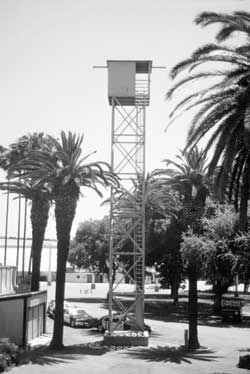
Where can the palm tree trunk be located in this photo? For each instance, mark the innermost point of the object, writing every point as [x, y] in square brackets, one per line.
[65, 207]
[193, 342]
[246, 286]
[39, 219]
[247, 123]
[24, 237]
[175, 293]
[62, 255]
[219, 288]
[244, 196]
[217, 304]
[6, 228]
[175, 289]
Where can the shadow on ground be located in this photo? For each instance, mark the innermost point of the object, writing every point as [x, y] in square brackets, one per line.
[172, 354]
[86, 300]
[165, 310]
[47, 356]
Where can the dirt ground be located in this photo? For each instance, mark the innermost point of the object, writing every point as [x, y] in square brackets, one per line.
[222, 344]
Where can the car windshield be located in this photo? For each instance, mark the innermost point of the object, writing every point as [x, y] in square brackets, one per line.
[53, 302]
[79, 312]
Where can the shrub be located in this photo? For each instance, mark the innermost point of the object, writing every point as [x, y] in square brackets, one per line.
[8, 355]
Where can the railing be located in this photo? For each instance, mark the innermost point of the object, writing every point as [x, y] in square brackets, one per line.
[7, 280]
[142, 91]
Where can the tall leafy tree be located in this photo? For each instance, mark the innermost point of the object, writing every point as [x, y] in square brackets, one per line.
[166, 241]
[222, 250]
[222, 106]
[219, 250]
[63, 171]
[242, 243]
[89, 249]
[37, 193]
[188, 178]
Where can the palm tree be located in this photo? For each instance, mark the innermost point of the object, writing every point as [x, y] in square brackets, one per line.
[63, 171]
[188, 178]
[159, 202]
[223, 106]
[40, 205]
[38, 194]
[236, 22]
[160, 199]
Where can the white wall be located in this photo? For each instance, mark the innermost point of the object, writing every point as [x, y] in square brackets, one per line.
[121, 78]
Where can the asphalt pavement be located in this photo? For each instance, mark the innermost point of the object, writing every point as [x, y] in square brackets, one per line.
[85, 353]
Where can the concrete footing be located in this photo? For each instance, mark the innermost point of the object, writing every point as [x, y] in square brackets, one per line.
[130, 338]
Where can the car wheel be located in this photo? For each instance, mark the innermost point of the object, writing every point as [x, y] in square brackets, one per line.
[72, 324]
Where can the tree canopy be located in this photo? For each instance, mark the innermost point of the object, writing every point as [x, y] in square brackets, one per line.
[222, 107]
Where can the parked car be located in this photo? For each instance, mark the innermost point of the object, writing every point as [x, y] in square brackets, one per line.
[120, 322]
[103, 322]
[52, 305]
[77, 316]
[130, 324]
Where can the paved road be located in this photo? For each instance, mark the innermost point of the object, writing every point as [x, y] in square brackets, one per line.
[97, 309]
[79, 335]
[162, 356]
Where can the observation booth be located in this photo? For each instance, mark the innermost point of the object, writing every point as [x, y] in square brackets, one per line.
[129, 82]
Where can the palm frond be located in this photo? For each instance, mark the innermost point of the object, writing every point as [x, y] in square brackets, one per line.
[207, 120]
[191, 78]
[209, 49]
[238, 21]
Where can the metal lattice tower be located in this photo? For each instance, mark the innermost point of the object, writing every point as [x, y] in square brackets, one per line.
[129, 93]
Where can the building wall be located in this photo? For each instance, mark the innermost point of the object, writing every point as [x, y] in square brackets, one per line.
[23, 316]
[121, 81]
[7, 280]
[11, 321]
[80, 277]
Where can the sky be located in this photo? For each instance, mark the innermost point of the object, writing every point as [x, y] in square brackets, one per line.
[48, 50]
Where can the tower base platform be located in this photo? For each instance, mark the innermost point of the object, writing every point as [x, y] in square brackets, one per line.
[128, 338]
